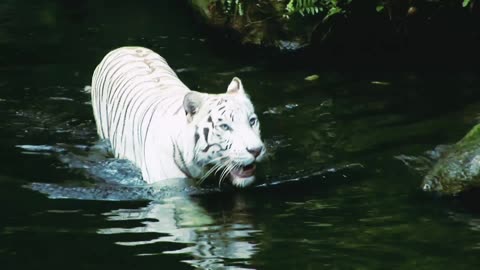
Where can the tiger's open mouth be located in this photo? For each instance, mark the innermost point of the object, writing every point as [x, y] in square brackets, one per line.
[245, 171]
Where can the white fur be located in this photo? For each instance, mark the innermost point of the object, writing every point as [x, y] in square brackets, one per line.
[151, 118]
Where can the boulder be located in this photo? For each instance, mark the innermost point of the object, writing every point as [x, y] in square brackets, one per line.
[458, 169]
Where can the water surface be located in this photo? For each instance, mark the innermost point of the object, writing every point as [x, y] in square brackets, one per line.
[339, 191]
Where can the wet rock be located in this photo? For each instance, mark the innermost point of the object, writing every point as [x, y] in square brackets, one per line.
[458, 169]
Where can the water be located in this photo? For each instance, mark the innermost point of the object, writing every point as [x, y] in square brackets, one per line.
[340, 189]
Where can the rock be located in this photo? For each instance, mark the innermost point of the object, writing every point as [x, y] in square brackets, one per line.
[458, 169]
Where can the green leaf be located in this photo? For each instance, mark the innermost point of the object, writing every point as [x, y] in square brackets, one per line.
[333, 11]
[379, 8]
[465, 3]
[240, 9]
[312, 77]
[290, 7]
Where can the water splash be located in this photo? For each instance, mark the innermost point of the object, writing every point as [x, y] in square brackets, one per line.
[107, 178]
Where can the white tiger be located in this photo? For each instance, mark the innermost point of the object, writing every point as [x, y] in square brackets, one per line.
[152, 119]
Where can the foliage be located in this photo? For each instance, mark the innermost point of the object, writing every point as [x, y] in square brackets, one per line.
[233, 6]
[380, 7]
[313, 7]
[466, 3]
[308, 7]
[303, 7]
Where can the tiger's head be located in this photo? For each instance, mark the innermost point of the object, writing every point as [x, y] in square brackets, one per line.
[226, 133]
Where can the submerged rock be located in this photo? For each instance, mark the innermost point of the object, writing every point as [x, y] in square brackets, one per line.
[458, 169]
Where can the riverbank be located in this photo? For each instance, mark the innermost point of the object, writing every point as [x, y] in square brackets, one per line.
[388, 34]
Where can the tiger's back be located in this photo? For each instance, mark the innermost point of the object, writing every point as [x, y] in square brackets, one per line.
[132, 88]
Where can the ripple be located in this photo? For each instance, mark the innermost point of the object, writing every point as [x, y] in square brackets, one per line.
[281, 109]
[305, 176]
[39, 148]
[61, 98]
[182, 220]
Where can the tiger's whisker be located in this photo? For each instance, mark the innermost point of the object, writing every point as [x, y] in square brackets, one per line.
[208, 173]
[227, 171]
[215, 168]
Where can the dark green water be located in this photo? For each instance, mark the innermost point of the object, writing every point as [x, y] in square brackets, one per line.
[340, 195]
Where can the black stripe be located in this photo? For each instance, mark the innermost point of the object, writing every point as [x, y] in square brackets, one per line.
[128, 112]
[196, 137]
[122, 98]
[210, 145]
[205, 133]
[109, 73]
[184, 167]
[211, 121]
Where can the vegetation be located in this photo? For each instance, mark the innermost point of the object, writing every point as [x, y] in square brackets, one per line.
[233, 6]
[313, 7]
[328, 8]
[294, 24]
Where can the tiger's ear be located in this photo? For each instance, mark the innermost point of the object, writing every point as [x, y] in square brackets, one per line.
[235, 87]
[192, 103]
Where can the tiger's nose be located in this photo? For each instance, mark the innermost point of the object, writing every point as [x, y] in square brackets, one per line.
[255, 151]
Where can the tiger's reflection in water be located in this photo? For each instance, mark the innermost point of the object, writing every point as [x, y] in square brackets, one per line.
[212, 240]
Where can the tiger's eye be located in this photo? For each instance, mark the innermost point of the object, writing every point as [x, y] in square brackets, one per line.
[225, 127]
[253, 121]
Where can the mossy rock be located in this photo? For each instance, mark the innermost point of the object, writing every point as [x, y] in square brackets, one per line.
[458, 170]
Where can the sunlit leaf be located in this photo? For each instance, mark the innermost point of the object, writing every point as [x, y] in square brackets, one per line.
[312, 77]
[380, 83]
